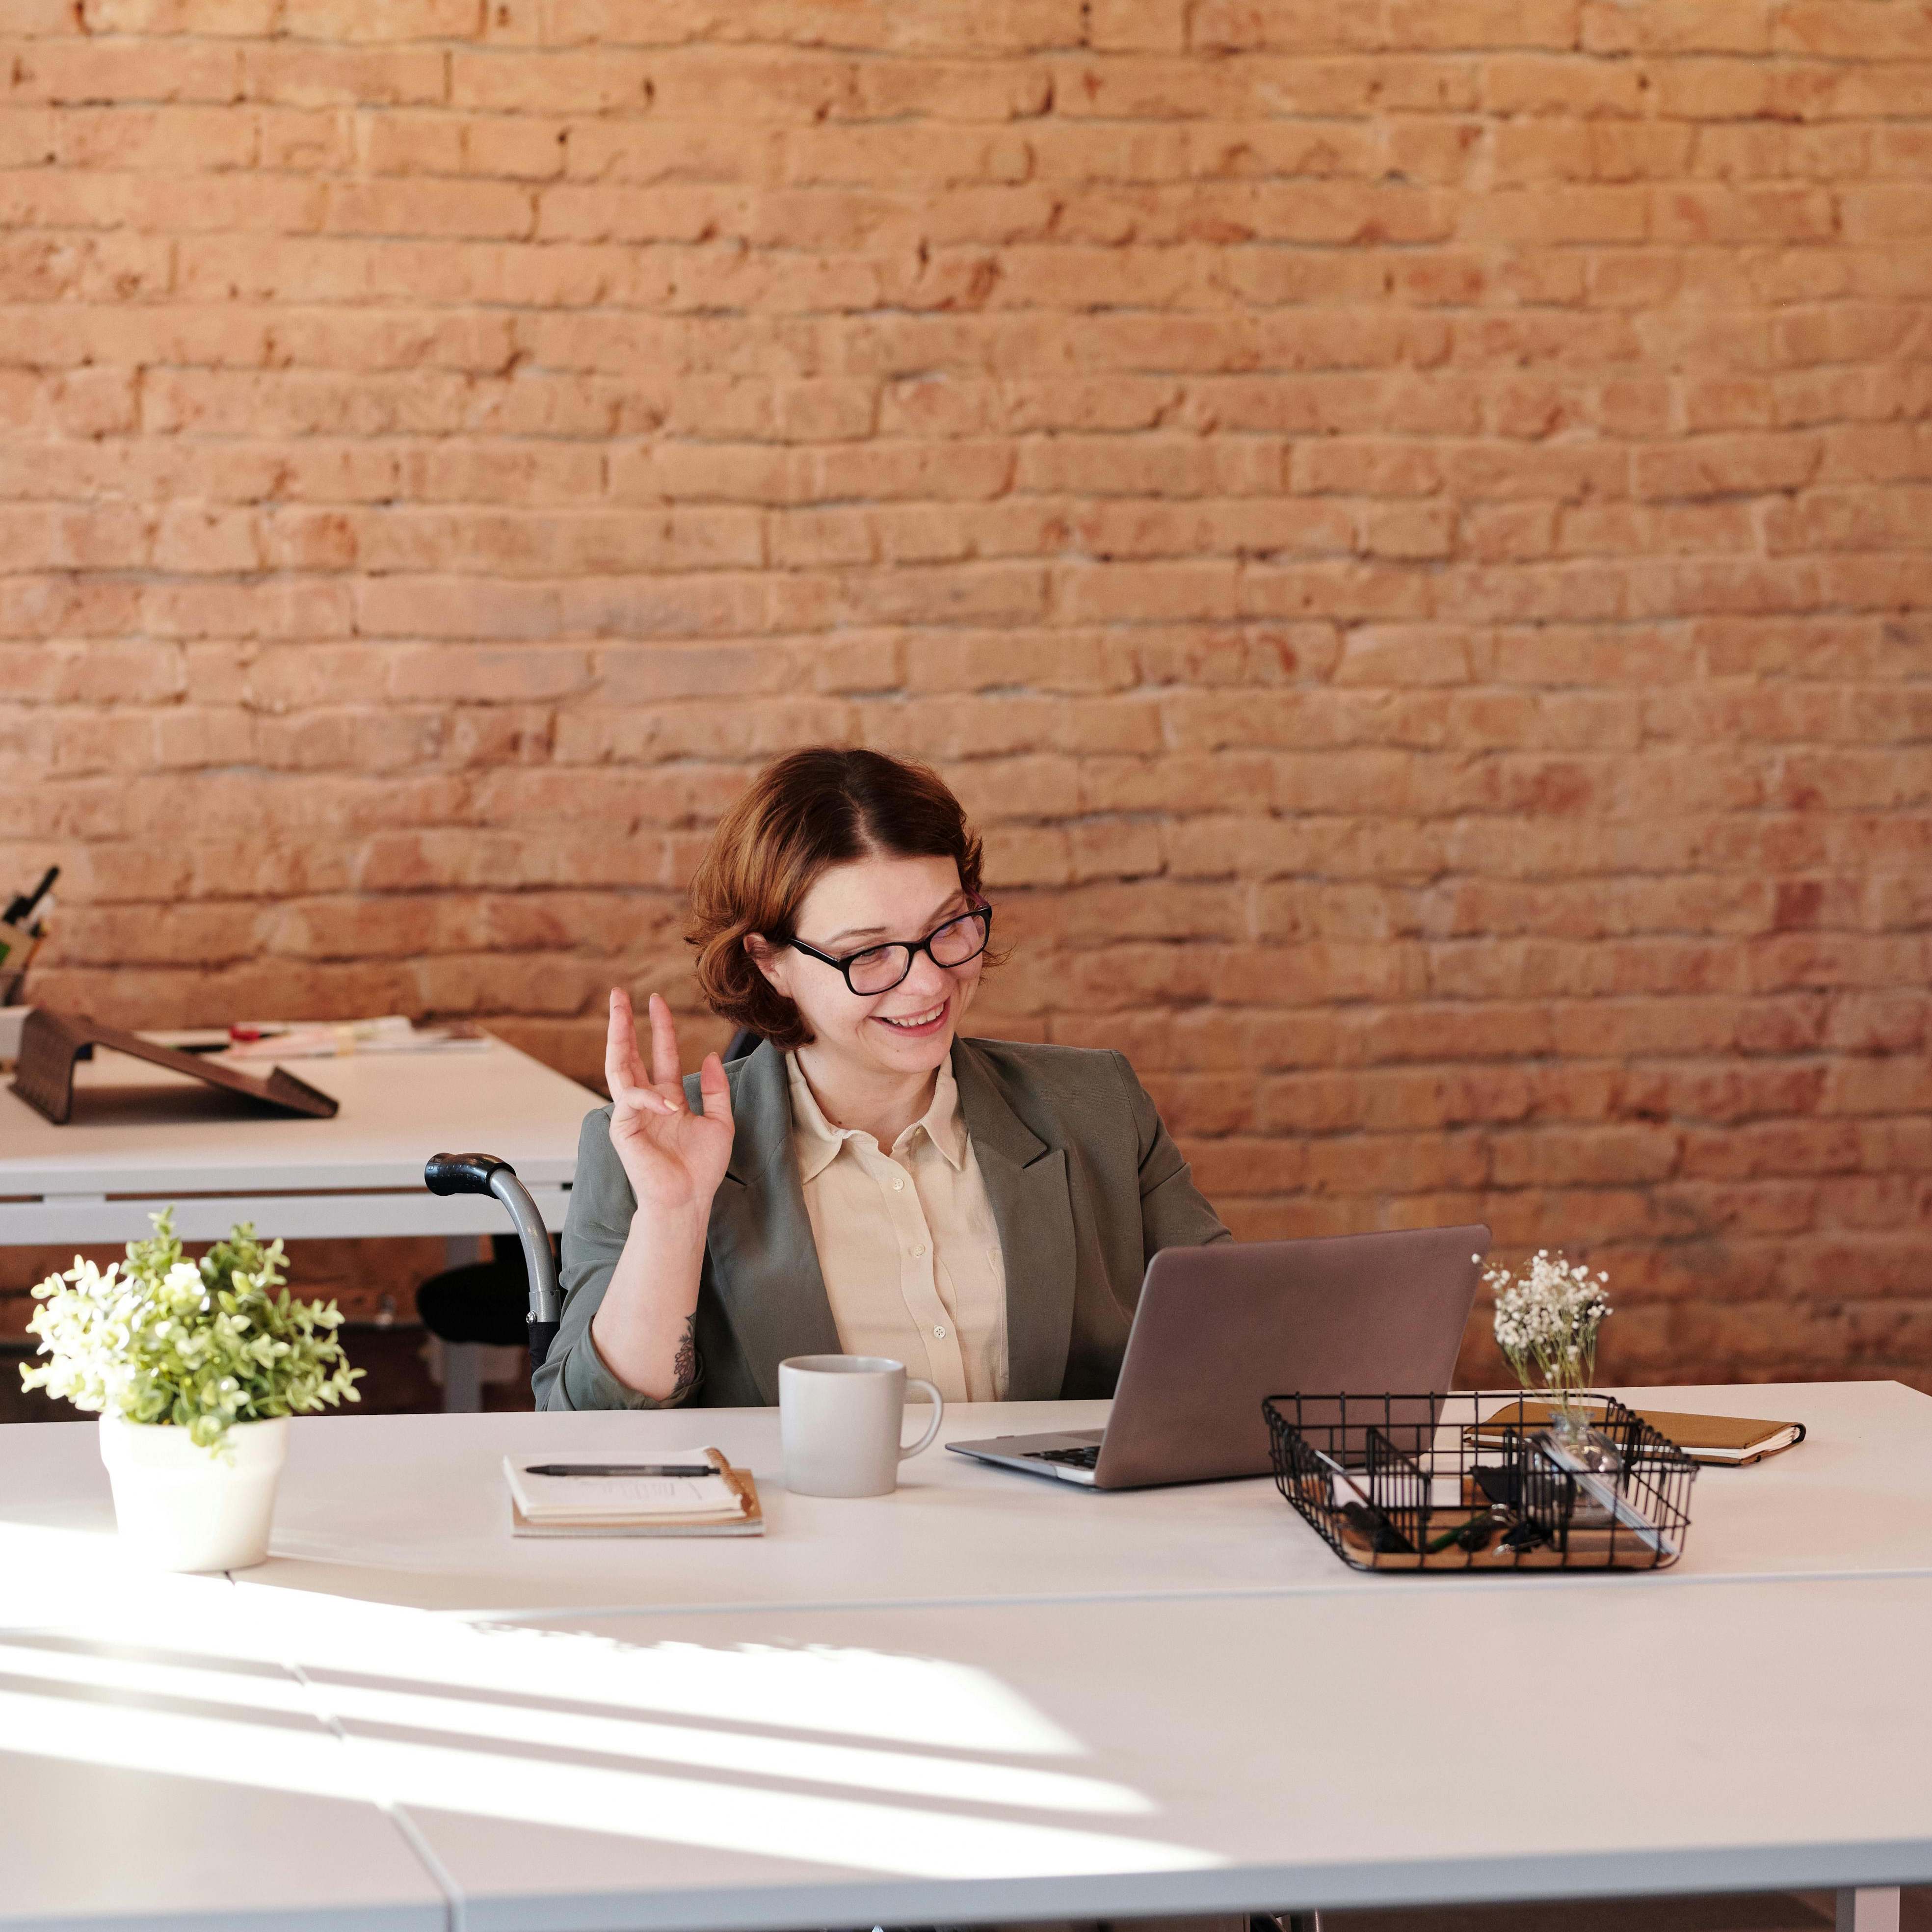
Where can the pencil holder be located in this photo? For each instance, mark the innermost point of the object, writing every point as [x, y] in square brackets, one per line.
[1477, 1481]
[17, 947]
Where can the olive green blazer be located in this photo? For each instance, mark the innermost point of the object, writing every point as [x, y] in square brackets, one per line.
[1085, 1185]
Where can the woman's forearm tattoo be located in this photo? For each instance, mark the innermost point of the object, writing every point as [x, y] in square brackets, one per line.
[686, 1367]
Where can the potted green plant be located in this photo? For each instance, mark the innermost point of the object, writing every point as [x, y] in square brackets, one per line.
[195, 1368]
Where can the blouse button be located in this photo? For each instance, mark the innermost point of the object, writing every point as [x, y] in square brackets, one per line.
[940, 1332]
[898, 1187]
[919, 1248]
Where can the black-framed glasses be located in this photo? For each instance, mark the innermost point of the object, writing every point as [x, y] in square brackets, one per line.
[878, 969]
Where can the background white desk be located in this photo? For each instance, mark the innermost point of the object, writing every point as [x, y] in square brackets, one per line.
[143, 1136]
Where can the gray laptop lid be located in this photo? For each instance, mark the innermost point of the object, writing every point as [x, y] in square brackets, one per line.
[1218, 1328]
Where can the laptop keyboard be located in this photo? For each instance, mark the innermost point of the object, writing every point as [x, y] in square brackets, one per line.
[1086, 1457]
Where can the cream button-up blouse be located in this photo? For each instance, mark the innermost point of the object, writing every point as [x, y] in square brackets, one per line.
[907, 1242]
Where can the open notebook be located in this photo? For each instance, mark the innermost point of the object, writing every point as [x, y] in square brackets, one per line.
[1732, 1440]
[722, 1502]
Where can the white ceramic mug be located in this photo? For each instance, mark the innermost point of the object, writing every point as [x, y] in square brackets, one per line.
[839, 1418]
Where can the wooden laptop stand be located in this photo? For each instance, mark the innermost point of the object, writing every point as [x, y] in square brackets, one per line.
[51, 1042]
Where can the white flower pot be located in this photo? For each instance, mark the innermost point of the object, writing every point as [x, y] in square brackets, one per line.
[178, 1506]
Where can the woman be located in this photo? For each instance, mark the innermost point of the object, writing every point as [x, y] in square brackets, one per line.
[867, 1181]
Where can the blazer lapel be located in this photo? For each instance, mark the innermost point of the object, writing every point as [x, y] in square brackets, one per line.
[764, 1262]
[1026, 1184]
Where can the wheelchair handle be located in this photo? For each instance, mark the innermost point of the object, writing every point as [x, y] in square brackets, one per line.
[486, 1173]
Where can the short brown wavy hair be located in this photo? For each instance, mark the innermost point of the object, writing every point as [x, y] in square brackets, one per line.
[805, 812]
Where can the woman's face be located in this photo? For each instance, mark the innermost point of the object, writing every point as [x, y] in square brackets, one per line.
[910, 1028]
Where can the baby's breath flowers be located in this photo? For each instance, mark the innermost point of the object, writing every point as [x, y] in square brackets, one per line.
[1547, 1317]
[201, 1345]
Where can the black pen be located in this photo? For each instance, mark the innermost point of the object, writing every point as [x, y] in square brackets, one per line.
[23, 903]
[621, 1469]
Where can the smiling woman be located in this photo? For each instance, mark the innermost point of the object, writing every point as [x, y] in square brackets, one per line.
[868, 1181]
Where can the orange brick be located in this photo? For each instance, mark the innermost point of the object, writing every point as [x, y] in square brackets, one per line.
[1409, 530]
[420, 207]
[1228, 25]
[1158, 26]
[1679, 26]
[1546, 84]
[972, 91]
[567, 82]
[85, 71]
[180, 139]
[1878, 34]
[346, 20]
[1720, 466]
[1694, 215]
[223, 18]
[318, 74]
[1484, 23]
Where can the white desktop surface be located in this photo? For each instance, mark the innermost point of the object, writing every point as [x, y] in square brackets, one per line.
[1855, 1499]
[984, 1697]
[1024, 1761]
[143, 1135]
[411, 1510]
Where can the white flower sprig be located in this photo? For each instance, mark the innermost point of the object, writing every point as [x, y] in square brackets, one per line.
[1547, 1317]
[202, 1345]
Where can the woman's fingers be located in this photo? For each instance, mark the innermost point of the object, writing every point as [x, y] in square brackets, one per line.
[629, 1102]
[621, 1059]
[661, 1094]
[623, 1069]
[629, 1099]
[666, 1074]
[619, 1043]
[716, 1088]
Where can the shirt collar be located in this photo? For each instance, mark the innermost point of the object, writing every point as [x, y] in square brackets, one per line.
[820, 1143]
[941, 1121]
[817, 1140]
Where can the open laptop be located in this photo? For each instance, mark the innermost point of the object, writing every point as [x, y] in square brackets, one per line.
[1219, 1328]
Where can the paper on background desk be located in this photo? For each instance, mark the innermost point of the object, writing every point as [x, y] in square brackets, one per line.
[395, 1033]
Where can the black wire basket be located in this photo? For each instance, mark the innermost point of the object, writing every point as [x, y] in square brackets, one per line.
[1480, 1481]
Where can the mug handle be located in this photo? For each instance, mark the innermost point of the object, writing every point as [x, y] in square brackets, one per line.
[938, 1415]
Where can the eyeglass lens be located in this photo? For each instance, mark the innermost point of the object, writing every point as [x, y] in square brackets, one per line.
[955, 943]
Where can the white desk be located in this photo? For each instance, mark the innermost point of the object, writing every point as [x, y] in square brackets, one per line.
[143, 1136]
[1855, 1499]
[1020, 1762]
[986, 1697]
[944, 1765]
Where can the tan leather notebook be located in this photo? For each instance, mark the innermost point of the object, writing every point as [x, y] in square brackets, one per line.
[1732, 1441]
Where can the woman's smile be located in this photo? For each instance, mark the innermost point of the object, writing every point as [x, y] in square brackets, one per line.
[917, 1026]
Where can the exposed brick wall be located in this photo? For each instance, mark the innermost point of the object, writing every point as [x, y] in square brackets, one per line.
[1404, 519]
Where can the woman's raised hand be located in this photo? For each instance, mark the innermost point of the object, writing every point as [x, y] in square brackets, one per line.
[673, 1158]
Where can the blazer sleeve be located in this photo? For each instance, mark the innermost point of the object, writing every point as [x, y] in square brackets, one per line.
[574, 1376]
[1174, 1213]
